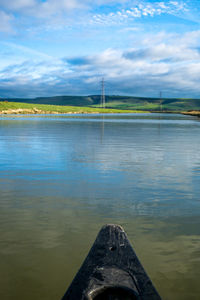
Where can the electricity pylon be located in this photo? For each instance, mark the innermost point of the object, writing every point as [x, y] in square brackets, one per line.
[103, 102]
[160, 101]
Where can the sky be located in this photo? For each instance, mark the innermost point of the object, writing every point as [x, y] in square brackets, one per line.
[65, 47]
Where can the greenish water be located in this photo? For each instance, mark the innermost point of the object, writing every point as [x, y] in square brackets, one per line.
[63, 177]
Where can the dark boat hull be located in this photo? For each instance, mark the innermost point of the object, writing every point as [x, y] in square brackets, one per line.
[111, 271]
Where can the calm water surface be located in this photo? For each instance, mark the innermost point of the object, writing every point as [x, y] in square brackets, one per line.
[63, 177]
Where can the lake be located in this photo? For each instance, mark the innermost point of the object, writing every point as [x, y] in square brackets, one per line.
[64, 176]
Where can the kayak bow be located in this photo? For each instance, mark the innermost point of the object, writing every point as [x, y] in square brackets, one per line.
[111, 271]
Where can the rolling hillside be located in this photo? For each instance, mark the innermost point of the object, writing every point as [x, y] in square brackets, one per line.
[117, 102]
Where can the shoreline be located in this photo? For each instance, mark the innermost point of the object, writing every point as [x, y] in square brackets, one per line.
[35, 111]
[195, 113]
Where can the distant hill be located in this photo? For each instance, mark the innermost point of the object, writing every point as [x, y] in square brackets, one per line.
[57, 100]
[118, 102]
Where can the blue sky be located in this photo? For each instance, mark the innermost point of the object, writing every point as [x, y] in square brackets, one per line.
[65, 47]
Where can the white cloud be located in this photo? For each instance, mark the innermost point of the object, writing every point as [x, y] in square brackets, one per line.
[17, 4]
[60, 13]
[49, 7]
[5, 22]
[53, 7]
[172, 67]
[143, 9]
[158, 60]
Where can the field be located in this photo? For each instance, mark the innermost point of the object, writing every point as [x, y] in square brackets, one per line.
[155, 105]
[27, 108]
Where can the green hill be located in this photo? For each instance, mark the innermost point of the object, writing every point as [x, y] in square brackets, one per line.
[56, 100]
[118, 102]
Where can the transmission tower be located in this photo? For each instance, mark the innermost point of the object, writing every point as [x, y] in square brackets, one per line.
[103, 93]
[161, 101]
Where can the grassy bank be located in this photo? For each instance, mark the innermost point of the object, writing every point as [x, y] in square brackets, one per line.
[27, 108]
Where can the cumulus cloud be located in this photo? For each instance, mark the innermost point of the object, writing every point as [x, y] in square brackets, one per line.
[172, 66]
[164, 53]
